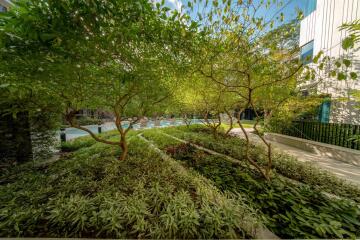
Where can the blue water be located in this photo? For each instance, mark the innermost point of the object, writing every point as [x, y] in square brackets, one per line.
[72, 133]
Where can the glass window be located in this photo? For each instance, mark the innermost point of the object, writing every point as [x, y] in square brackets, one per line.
[307, 52]
[309, 7]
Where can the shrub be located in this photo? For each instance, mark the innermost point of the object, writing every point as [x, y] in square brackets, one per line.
[161, 141]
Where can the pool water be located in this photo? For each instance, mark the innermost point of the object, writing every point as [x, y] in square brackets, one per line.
[72, 133]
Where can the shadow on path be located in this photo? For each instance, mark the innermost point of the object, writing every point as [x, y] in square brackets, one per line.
[341, 169]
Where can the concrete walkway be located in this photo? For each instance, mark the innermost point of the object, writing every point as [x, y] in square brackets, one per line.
[342, 170]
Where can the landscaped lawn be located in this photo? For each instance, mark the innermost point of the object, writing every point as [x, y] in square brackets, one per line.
[90, 193]
[245, 123]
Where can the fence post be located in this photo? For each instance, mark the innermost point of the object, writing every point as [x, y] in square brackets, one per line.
[357, 132]
[328, 138]
[349, 135]
[343, 135]
[302, 130]
[331, 133]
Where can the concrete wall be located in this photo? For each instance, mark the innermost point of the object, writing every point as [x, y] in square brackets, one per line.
[307, 29]
[322, 149]
[322, 26]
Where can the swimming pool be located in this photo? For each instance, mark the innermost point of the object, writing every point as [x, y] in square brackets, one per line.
[72, 133]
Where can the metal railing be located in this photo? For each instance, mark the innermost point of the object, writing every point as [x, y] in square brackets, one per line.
[331, 133]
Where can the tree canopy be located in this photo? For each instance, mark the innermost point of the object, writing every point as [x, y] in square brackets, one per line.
[138, 58]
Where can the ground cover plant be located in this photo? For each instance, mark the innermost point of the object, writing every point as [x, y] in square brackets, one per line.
[283, 164]
[290, 210]
[89, 193]
[133, 60]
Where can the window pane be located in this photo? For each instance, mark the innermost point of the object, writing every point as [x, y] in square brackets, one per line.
[307, 52]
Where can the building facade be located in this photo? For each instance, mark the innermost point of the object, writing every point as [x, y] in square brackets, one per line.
[320, 31]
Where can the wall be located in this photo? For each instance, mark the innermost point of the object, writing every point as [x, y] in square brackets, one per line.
[322, 26]
[342, 154]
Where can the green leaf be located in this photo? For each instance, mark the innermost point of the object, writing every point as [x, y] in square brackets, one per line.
[353, 75]
[341, 76]
[317, 57]
[282, 17]
[348, 42]
[347, 62]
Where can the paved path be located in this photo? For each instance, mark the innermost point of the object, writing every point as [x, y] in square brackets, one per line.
[340, 169]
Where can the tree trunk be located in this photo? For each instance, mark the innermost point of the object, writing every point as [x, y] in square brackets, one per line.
[217, 126]
[231, 123]
[247, 152]
[215, 135]
[124, 148]
[186, 120]
[267, 144]
[267, 116]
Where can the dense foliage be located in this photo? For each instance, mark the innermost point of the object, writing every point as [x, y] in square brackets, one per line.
[90, 194]
[123, 61]
[283, 164]
[290, 209]
[137, 58]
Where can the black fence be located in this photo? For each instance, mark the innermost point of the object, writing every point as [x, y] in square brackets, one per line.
[331, 133]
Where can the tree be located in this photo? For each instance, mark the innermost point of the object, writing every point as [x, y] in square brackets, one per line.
[197, 95]
[118, 56]
[245, 55]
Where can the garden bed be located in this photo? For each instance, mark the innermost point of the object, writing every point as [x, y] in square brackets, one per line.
[289, 210]
[90, 193]
[283, 164]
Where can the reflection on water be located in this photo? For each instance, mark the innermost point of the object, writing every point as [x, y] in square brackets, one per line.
[72, 133]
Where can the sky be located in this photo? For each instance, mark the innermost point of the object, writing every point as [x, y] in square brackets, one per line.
[289, 11]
